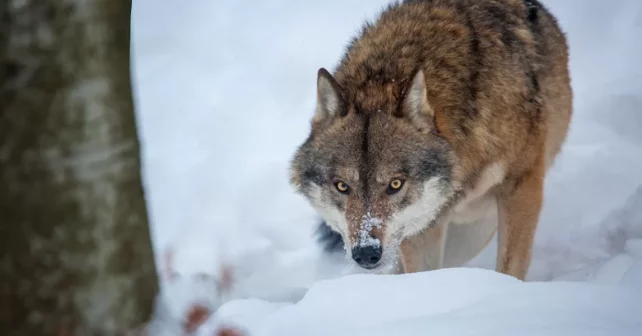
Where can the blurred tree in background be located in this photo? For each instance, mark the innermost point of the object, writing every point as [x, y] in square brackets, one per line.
[75, 250]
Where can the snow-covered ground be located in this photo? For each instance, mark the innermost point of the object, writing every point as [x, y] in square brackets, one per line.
[225, 91]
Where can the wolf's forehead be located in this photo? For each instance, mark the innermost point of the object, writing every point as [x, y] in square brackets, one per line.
[367, 172]
[364, 147]
[350, 172]
[374, 142]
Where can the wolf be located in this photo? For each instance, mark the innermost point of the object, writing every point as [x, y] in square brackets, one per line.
[435, 132]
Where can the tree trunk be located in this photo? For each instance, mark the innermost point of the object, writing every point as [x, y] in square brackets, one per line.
[75, 249]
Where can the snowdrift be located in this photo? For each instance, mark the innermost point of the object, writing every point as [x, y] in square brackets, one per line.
[445, 302]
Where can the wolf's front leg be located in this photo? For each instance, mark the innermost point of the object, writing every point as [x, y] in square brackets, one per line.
[519, 206]
[425, 251]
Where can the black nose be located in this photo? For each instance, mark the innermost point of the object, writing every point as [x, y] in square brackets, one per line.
[366, 256]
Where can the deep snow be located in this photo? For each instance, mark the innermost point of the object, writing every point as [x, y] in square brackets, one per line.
[445, 303]
[224, 93]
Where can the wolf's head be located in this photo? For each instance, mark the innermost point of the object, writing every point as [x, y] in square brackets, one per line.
[377, 173]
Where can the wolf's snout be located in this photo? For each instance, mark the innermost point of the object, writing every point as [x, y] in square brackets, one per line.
[367, 256]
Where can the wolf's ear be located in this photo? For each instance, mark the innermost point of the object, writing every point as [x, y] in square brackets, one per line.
[415, 104]
[329, 101]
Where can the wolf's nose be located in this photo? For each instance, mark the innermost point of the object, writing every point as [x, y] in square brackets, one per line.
[367, 256]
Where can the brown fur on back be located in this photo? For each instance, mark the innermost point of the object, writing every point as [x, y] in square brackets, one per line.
[484, 63]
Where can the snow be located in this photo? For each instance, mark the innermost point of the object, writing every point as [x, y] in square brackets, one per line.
[368, 223]
[224, 94]
[444, 303]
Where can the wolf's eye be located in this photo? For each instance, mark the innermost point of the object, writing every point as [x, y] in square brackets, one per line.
[394, 186]
[342, 187]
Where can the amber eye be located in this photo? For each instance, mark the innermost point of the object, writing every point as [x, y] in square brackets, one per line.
[342, 187]
[394, 186]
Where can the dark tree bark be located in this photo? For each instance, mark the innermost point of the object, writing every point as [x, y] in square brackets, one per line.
[75, 250]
